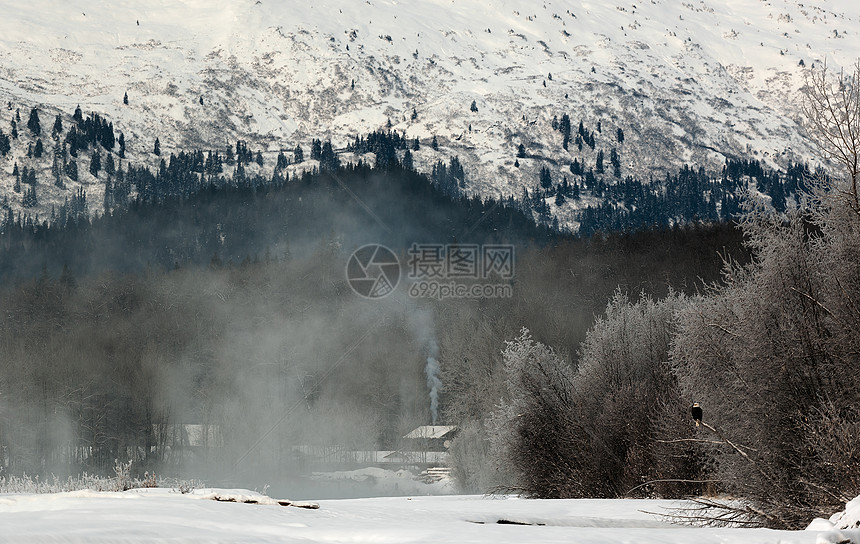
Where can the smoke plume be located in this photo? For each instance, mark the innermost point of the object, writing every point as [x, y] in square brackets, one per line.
[434, 383]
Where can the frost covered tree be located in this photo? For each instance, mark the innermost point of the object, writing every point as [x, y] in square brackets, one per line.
[593, 431]
[772, 357]
[629, 397]
[772, 354]
[535, 433]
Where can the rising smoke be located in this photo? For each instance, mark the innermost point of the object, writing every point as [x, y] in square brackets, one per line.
[425, 334]
[434, 383]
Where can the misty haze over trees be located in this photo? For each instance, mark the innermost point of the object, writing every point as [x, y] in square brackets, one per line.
[222, 302]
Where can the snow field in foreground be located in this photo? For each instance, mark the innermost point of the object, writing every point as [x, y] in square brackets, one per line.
[148, 515]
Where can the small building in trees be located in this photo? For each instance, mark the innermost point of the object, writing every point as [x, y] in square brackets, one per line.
[430, 438]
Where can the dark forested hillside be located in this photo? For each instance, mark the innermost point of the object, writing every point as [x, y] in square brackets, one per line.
[254, 217]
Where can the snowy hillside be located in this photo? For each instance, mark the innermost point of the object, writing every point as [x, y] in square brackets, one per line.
[685, 82]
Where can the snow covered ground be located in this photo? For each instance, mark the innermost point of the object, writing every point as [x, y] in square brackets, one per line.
[149, 515]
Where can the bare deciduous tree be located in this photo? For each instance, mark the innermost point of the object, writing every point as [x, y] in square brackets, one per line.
[831, 107]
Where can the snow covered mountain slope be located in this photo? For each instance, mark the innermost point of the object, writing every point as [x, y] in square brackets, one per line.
[685, 82]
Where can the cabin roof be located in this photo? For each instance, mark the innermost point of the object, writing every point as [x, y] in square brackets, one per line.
[431, 432]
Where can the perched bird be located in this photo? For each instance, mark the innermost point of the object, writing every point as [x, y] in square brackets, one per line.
[696, 412]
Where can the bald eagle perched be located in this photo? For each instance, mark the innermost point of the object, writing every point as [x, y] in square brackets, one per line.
[696, 412]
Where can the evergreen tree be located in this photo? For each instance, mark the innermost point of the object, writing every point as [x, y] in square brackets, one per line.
[5, 146]
[598, 165]
[298, 154]
[14, 130]
[416, 145]
[474, 107]
[620, 136]
[108, 195]
[239, 173]
[78, 116]
[281, 162]
[259, 159]
[57, 129]
[414, 114]
[106, 137]
[434, 144]
[616, 163]
[316, 149]
[29, 200]
[125, 98]
[96, 163]
[71, 169]
[521, 151]
[564, 128]
[157, 148]
[545, 178]
[110, 165]
[55, 170]
[67, 279]
[328, 158]
[38, 149]
[408, 162]
[121, 145]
